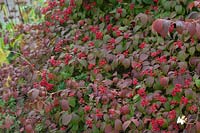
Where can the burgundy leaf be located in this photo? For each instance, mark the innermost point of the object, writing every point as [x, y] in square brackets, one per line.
[191, 27]
[64, 105]
[197, 30]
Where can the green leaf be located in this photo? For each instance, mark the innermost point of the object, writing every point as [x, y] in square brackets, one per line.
[136, 98]
[160, 40]
[75, 127]
[72, 101]
[182, 56]
[136, 28]
[83, 62]
[95, 129]
[157, 86]
[198, 47]
[3, 56]
[167, 106]
[178, 9]
[167, 5]
[79, 2]
[99, 2]
[61, 86]
[148, 1]
[113, 1]
[2, 103]
[39, 127]
[197, 82]
[83, 76]
[192, 50]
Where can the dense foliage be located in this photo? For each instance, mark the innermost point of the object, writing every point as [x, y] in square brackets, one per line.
[97, 66]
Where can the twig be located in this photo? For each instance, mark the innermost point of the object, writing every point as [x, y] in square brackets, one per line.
[20, 12]
[8, 6]
[23, 58]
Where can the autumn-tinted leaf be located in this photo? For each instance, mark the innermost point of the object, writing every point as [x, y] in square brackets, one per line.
[66, 118]
[34, 93]
[126, 125]
[118, 125]
[142, 17]
[149, 81]
[119, 39]
[126, 63]
[64, 105]
[143, 57]
[8, 122]
[108, 129]
[164, 81]
[135, 121]
[198, 126]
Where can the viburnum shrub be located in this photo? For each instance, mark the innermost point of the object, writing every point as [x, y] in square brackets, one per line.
[96, 66]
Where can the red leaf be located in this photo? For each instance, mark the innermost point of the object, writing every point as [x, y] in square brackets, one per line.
[191, 5]
[191, 27]
[157, 25]
[161, 26]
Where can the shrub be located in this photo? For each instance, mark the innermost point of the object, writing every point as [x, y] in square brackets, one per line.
[98, 67]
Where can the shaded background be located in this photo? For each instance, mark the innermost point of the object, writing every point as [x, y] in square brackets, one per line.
[9, 9]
